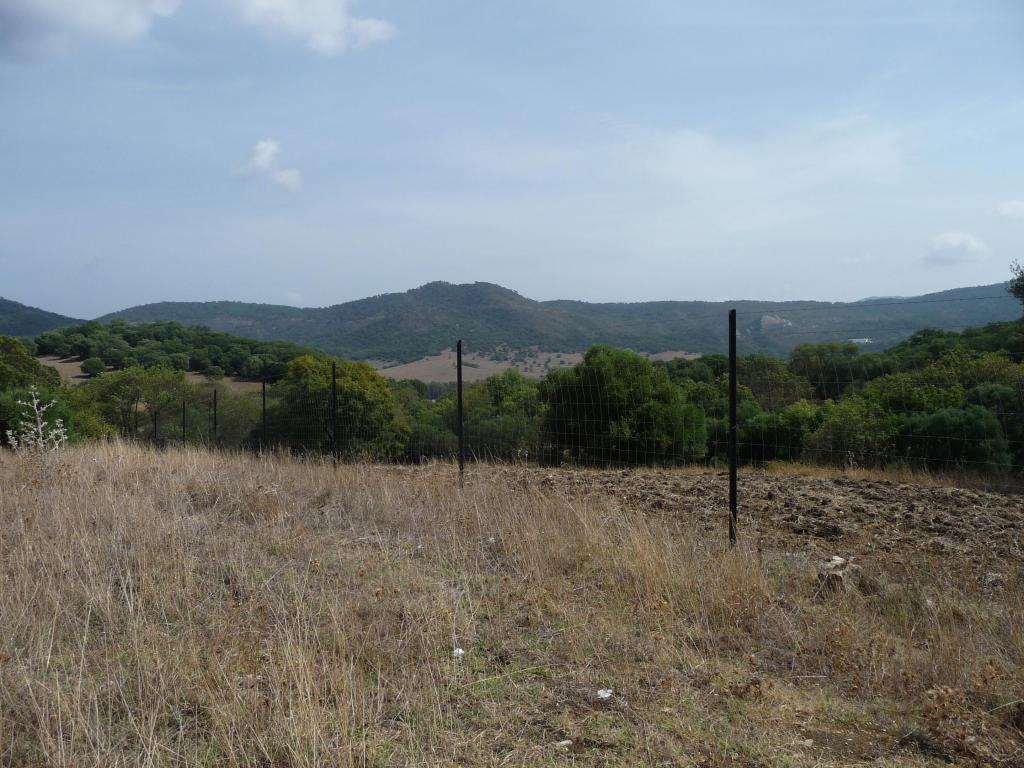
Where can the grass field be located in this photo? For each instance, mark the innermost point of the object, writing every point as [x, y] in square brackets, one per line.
[185, 608]
[70, 370]
[477, 367]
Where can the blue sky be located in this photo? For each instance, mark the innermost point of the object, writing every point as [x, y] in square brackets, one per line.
[315, 151]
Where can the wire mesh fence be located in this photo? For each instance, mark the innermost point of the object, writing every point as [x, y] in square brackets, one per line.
[938, 401]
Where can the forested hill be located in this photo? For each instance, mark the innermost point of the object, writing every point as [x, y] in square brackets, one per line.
[406, 326]
[22, 320]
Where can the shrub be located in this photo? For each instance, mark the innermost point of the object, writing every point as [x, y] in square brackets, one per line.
[617, 407]
[93, 367]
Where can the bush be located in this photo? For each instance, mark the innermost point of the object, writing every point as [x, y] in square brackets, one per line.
[18, 369]
[93, 367]
[617, 407]
[501, 416]
[956, 438]
[853, 433]
[368, 422]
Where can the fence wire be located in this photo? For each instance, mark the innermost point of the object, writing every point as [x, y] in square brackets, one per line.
[939, 401]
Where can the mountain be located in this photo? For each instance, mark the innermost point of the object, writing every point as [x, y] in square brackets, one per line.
[22, 320]
[402, 327]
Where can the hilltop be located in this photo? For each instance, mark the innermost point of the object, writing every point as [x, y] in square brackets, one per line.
[497, 322]
[402, 327]
[18, 319]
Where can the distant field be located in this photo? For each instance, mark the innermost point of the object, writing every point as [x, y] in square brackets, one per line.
[71, 372]
[441, 368]
[70, 369]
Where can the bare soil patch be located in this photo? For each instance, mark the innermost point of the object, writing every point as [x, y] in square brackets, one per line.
[881, 523]
[70, 369]
[71, 372]
[476, 367]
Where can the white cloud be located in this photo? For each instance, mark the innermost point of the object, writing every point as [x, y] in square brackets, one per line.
[289, 178]
[952, 248]
[366, 32]
[326, 26]
[263, 155]
[263, 163]
[687, 181]
[54, 22]
[1010, 209]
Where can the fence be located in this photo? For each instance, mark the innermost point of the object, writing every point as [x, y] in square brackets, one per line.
[948, 401]
[945, 402]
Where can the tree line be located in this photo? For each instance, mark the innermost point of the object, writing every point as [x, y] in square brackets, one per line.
[119, 345]
[937, 400]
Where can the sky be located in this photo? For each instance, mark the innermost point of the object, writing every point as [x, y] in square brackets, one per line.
[310, 152]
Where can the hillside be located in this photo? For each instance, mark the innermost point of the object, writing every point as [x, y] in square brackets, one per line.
[402, 327]
[18, 319]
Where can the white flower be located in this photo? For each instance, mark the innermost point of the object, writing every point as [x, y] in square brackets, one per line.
[34, 433]
[458, 653]
[605, 693]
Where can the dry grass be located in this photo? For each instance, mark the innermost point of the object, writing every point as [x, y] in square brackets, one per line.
[1008, 482]
[183, 608]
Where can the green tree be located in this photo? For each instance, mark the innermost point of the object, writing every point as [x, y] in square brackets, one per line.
[367, 420]
[163, 390]
[19, 370]
[779, 435]
[922, 348]
[955, 438]
[1006, 403]
[853, 432]
[238, 417]
[117, 397]
[616, 407]
[178, 361]
[771, 381]
[93, 367]
[1016, 286]
[830, 368]
[501, 416]
[914, 392]
[135, 398]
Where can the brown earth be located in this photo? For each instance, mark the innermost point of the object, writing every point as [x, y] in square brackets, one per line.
[476, 367]
[70, 369]
[883, 522]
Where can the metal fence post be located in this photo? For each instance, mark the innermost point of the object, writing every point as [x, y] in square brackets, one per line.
[334, 411]
[462, 438]
[733, 459]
